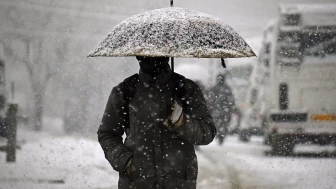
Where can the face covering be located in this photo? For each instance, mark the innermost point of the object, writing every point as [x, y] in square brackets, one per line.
[153, 65]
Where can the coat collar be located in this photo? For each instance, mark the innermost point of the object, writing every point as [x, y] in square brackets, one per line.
[159, 79]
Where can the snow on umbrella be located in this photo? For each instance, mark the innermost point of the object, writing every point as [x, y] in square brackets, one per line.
[173, 32]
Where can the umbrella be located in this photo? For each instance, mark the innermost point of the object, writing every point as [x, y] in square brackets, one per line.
[173, 32]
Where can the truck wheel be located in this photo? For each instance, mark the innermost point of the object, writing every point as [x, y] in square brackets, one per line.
[281, 146]
[267, 139]
[244, 135]
[333, 140]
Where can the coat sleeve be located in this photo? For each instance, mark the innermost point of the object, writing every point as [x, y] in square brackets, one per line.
[111, 130]
[198, 127]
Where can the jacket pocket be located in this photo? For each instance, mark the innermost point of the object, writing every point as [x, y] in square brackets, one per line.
[177, 183]
[134, 172]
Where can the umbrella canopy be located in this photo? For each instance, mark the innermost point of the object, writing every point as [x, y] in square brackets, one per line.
[173, 32]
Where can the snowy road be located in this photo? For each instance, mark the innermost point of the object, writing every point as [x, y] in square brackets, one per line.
[248, 167]
[56, 161]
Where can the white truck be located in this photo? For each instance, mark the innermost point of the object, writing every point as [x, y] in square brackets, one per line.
[253, 118]
[300, 87]
[253, 111]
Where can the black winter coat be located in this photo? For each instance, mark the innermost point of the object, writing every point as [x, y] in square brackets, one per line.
[162, 157]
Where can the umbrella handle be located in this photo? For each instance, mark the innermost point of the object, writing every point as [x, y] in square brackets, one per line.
[172, 63]
[172, 82]
[171, 3]
[223, 62]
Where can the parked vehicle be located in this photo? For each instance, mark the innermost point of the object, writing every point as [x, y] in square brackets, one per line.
[253, 114]
[300, 89]
[8, 119]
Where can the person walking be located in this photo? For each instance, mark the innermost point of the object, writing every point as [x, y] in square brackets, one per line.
[163, 115]
[222, 104]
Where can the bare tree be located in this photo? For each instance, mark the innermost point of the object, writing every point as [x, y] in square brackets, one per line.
[45, 31]
[40, 69]
[34, 48]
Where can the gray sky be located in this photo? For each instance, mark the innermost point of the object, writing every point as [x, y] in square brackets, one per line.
[247, 17]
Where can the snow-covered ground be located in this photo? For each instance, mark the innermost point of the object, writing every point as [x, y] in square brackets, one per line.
[51, 159]
[249, 167]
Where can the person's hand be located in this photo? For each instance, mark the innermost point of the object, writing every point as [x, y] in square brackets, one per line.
[179, 122]
[177, 115]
